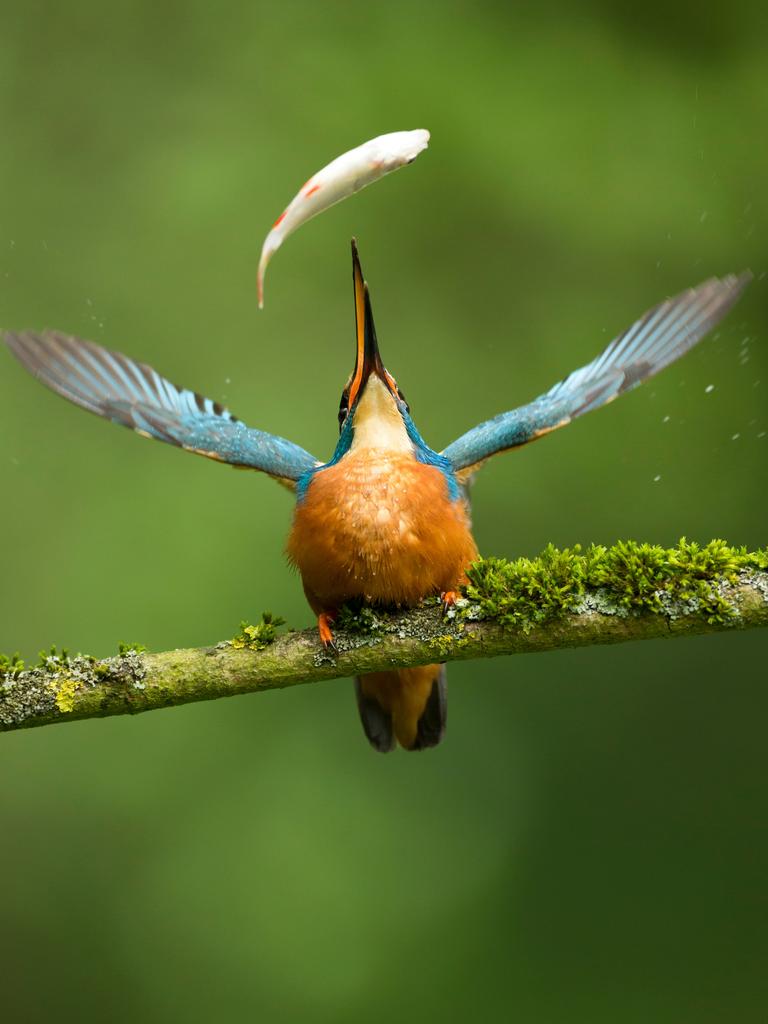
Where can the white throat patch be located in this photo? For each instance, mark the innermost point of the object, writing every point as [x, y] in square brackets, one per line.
[377, 421]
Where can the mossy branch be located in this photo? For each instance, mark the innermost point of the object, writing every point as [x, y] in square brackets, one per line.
[570, 598]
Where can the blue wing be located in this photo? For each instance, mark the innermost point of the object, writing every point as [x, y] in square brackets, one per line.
[665, 333]
[133, 394]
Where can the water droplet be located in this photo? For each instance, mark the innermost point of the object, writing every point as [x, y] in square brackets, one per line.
[704, 215]
[709, 389]
[736, 437]
[666, 419]
[657, 478]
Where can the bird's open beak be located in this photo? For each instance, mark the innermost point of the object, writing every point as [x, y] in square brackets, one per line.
[368, 358]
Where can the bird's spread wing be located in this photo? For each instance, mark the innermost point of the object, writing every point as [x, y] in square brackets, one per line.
[133, 394]
[664, 334]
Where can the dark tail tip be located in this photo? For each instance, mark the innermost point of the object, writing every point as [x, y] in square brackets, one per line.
[431, 726]
[377, 723]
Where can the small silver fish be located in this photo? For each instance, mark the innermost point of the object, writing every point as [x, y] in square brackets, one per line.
[340, 178]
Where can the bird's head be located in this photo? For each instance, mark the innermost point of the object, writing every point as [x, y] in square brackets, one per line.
[373, 412]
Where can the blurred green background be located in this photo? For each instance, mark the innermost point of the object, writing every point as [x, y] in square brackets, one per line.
[590, 842]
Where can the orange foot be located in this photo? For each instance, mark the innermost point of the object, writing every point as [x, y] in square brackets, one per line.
[324, 623]
[448, 599]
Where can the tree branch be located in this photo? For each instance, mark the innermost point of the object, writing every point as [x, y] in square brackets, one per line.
[67, 689]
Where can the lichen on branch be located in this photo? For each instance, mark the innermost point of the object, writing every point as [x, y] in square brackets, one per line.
[563, 598]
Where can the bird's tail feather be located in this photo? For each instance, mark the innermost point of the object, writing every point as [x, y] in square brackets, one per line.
[408, 706]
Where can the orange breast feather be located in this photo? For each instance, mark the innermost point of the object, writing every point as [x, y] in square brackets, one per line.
[381, 526]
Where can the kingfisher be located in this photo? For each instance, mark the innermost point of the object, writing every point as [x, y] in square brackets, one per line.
[386, 520]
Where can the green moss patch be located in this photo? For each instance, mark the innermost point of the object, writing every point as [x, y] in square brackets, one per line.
[256, 638]
[628, 577]
[359, 619]
[10, 665]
